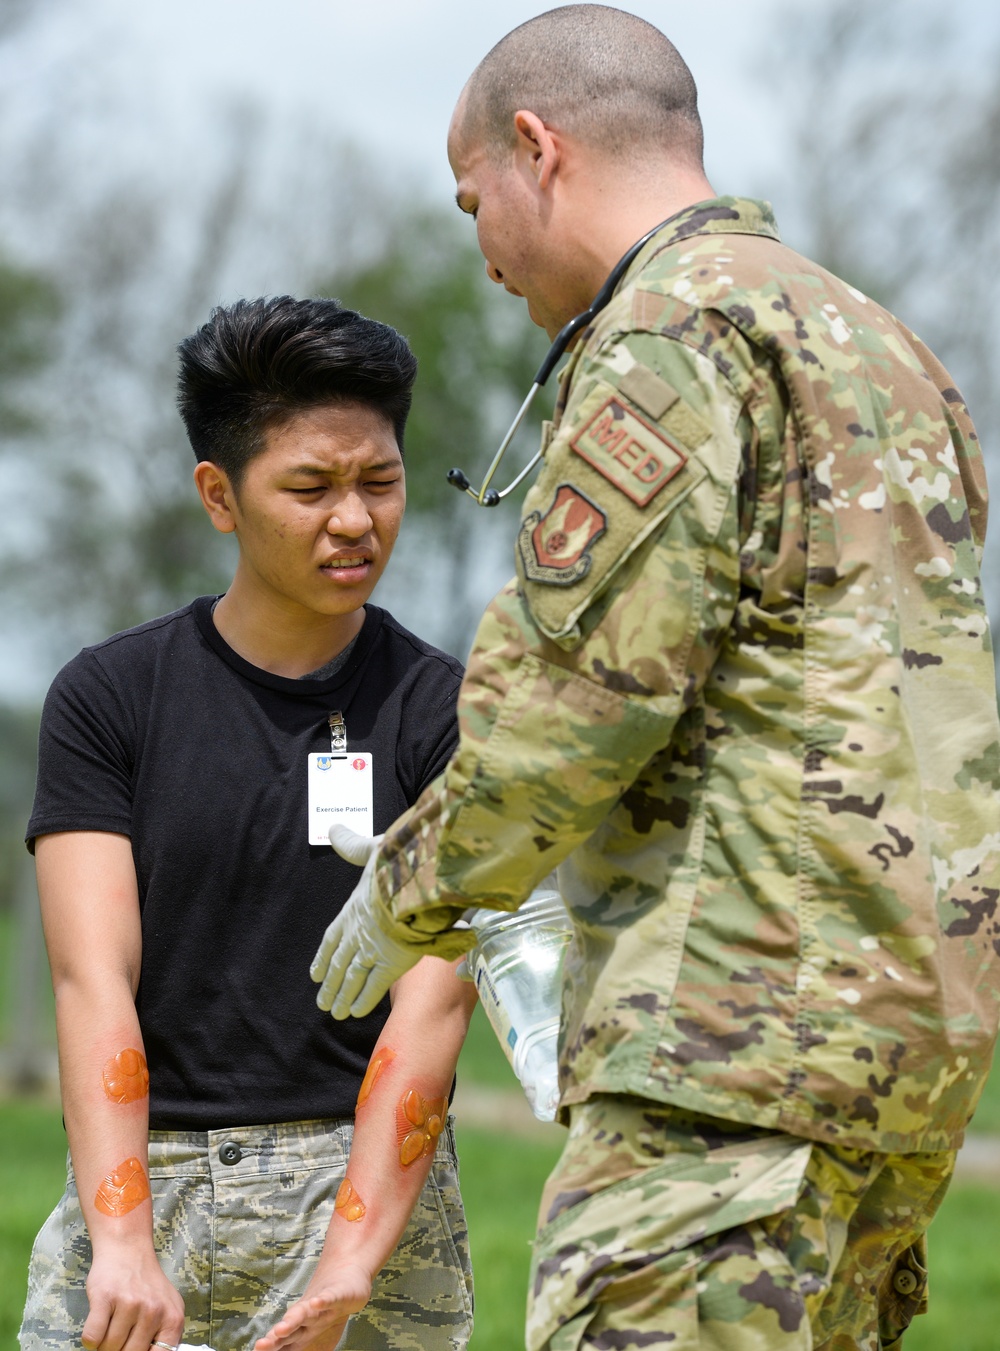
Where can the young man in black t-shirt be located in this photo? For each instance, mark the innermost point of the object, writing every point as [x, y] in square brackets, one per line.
[188, 772]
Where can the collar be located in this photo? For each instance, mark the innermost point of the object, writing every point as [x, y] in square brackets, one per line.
[718, 216]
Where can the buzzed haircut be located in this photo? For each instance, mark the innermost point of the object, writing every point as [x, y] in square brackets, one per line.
[607, 77]
[257, 363]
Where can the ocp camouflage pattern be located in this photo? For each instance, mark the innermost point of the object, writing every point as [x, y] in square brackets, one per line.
[757, 726]
[661, 1226]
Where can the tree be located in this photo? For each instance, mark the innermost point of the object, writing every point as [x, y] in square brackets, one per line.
[477, 352]
[28, 308]
[898, 170]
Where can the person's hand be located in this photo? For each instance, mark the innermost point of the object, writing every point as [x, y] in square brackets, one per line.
[317, 1321]
[358, 960]
[132, 1304]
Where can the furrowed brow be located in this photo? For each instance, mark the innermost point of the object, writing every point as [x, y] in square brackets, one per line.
[326, 471]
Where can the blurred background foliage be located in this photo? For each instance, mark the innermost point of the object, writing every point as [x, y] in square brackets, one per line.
[892, 178]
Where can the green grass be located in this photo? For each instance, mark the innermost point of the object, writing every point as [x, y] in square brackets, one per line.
[964, 1275]
[502, 1179]
[32, 1174]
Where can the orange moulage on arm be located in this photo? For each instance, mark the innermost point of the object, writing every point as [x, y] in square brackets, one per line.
[348, 1202]
[125, 1076]
[419, 1122]
[382, 1057]
[122, 1190]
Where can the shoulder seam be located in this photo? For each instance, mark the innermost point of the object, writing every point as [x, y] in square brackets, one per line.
[424, 648]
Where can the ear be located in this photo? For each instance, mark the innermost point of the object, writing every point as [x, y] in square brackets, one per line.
[217, 496]
[541, 144]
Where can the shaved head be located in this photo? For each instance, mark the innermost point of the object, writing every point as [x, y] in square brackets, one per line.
[607, 78]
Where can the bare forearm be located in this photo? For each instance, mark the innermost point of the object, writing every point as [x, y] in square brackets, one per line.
[402, 1110]
[105, 1096]
[90, 911]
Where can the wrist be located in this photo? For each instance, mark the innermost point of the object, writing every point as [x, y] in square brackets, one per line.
[337, 1259]
[114, 1237]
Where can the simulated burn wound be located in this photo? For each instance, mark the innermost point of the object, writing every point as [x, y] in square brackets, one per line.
[122, 1190]
[419, 1122]
[125, 1077]
[382, 1057]
[348, 1203]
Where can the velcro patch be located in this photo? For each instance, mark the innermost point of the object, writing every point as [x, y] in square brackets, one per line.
[630, 453]
[555, 545]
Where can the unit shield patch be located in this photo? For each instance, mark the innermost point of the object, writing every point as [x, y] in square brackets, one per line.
[555, 547]
[633, 455]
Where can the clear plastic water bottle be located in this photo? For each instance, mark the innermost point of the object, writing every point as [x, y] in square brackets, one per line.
[517, 967]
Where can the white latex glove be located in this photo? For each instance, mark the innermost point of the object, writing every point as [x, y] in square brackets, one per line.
[357, 960]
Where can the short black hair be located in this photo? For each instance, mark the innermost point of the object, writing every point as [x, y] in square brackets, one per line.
[257, 363]
[607, 76]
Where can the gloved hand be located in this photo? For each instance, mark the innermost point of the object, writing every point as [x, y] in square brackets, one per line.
[358, 960]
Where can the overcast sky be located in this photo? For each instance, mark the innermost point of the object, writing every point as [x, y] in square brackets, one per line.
[384, 73]
[144, 82]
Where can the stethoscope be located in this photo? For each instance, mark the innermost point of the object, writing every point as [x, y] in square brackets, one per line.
[489, 497]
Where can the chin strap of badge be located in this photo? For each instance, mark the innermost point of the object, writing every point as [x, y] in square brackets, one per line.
[338, 735]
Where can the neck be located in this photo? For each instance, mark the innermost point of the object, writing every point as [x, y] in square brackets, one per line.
[278, 636]
[630, 209]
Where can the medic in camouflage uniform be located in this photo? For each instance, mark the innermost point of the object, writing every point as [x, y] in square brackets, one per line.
[742, 693]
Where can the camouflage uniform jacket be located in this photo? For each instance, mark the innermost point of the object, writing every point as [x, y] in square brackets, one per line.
[742, 692]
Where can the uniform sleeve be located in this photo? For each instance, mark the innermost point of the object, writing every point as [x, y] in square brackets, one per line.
[85, 755]
[628, 575]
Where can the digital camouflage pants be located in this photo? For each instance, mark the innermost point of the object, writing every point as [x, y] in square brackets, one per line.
[660, 1228]
[239, 1221]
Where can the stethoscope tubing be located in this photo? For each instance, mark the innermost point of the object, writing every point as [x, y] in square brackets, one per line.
[491, 497]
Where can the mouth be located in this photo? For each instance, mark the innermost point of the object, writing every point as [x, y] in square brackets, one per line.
[348, 568]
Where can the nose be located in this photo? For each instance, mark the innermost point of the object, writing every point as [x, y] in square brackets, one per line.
[349, 516]
[496, 275]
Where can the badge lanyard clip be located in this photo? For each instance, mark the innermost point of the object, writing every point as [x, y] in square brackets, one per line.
[338, 735]
[339, 786]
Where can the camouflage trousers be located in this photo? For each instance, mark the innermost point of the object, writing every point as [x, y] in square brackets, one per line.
[660, 1228]
[239, 1221]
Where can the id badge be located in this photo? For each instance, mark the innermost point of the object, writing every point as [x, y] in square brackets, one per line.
[340, 789]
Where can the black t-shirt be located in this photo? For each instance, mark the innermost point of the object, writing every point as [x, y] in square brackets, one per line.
[163, 733]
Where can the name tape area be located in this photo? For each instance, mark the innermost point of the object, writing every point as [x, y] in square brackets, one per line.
[630, 453]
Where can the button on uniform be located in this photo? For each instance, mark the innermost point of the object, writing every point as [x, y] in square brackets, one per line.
[230, 1152]
[904, 1281]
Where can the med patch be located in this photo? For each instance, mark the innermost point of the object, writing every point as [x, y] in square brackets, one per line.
[628, 451]
[555, 544]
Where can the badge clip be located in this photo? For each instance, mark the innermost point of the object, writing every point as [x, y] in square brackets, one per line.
[338, 735]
